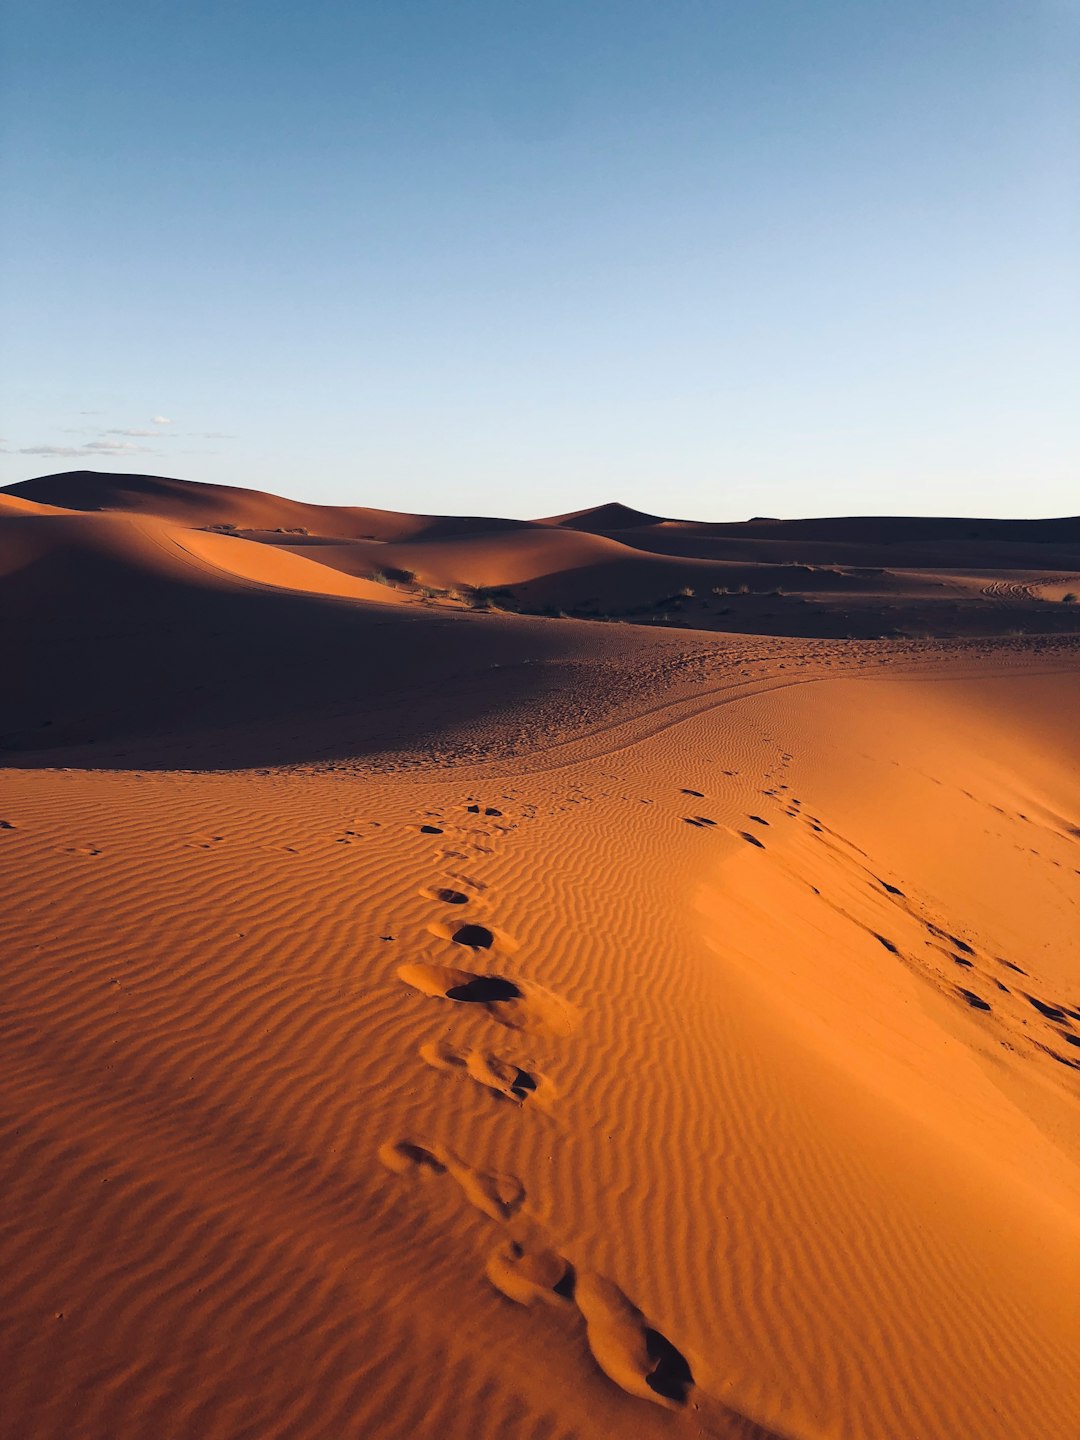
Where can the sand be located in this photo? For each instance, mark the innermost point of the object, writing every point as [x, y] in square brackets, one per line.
[428, 1020]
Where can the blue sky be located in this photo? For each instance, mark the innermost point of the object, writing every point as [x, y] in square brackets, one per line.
[713, 259]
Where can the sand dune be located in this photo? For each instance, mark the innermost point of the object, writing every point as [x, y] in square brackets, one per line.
[428, 1021]
[605, 518]
[58, 553]
[192, 503]
[860, 578]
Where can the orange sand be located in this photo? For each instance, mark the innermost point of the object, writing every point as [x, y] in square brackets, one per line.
[424, 1021]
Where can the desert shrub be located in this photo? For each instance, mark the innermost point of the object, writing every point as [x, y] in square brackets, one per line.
[391, 575]
[1069, 598]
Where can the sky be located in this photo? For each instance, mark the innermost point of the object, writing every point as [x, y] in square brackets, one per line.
[712, 258]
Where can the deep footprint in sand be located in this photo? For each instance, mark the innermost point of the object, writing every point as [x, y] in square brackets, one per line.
[496, 1073]
[517, 1004]
[473, 936]
[627, 1348]
[445, 894]
[498, 1196]
[531, 1276]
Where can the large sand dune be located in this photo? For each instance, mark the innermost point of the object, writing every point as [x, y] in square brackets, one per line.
[429, 1019]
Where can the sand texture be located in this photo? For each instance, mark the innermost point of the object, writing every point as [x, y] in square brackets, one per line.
[427, 1016]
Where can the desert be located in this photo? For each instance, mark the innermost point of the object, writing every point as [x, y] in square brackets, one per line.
[602, 975]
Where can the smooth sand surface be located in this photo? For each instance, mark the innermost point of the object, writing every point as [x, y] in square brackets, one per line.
[423, 1020]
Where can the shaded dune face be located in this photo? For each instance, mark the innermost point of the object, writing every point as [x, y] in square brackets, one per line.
[428, 1021]
[845, 577]
[166, 623]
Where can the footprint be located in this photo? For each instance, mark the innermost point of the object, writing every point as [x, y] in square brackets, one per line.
[699, 820]
[975, 1001]
[495, 1072]
[1048, 1011]
[498, 1196]
[472, 936]
[697, 794]
[519, 1005]
[402, 1156]
[627, 1348]
[447, 895]
[467, 880]
[531, 1276]
[429, 830]
[751, 839]
[87, 851]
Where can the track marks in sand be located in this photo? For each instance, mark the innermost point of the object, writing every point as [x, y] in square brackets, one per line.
[526, 1267]
[497, 1073]
[533, 1276]
[473, 936]
[627, 1348]
[517, 1004]
[905, 925]
[446, 894]
[498, 1196]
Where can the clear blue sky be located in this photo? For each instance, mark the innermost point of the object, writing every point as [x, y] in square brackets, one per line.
[714, 259]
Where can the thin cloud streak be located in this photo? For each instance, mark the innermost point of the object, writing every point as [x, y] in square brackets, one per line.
[94, 447]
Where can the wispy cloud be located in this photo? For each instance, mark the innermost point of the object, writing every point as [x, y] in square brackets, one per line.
[212, 435]
[94, 447]
[162, 420]
[142, 434]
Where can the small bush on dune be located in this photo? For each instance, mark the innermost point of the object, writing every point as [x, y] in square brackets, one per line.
[392, 576]
[1069, 598]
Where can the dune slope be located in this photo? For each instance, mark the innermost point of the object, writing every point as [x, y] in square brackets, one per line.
[321, 1087]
